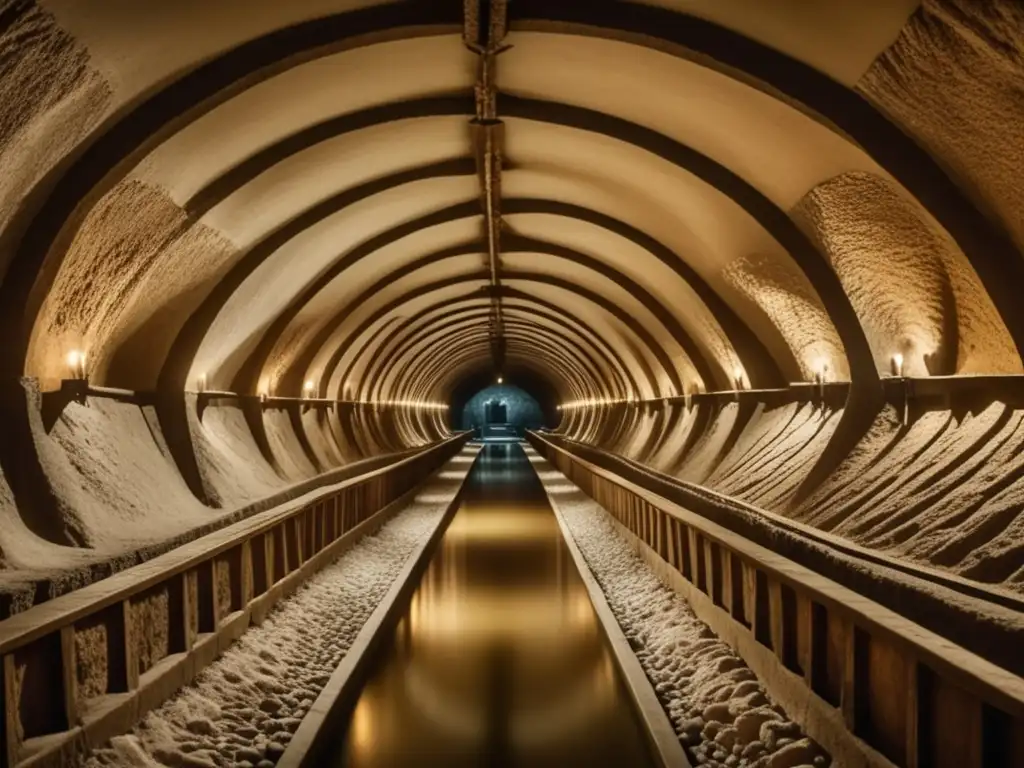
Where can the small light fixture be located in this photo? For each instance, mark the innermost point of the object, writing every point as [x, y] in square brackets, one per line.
[897, 364]
[737, 377]
[821, 371]
[501, 379]
[76, 364]
[308, 388]
[201, 383]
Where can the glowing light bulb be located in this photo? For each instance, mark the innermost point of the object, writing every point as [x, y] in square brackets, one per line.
[308, 388]
[897, 364]
[76, 364]
[821, 370]
[501, 379]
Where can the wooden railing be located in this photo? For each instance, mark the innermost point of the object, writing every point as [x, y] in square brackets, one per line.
[86, 666]
[914, 698]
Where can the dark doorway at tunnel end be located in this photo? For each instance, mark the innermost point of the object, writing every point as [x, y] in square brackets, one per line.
[510, 408]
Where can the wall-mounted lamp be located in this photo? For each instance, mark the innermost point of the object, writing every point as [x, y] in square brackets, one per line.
[308, 388]
[897, 365]
[76, 364]
[501, 379]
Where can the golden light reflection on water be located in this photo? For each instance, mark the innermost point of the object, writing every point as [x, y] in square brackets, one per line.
[499, 660]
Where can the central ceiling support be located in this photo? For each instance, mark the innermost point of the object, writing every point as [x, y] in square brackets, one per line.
[484, 32]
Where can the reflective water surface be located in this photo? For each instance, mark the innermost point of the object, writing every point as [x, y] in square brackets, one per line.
[499, 660]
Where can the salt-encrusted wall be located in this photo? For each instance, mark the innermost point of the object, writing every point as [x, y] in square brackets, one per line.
[51, 96]
[136, 269]
[912, 288]
[954, 80]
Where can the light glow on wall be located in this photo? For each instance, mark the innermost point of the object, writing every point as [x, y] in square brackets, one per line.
[76, 364]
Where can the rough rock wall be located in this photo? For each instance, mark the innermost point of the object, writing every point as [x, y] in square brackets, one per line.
[129, 280]
[944, 491]
[913, 289]
[111, 479]
[316, 425]
[289, 455]
[784, 294]
[230, 460]
[51, 99]
[954, 80]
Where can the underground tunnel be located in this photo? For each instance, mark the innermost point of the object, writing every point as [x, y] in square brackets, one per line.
[509, 382]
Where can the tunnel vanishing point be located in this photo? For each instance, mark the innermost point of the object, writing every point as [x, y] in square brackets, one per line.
[759, 265]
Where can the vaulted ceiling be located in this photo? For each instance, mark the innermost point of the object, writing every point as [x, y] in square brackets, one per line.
[685, 192]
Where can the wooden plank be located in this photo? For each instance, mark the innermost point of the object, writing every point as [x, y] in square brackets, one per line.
[778, 641]
[698, 575]
[912, 716]
[886, 693]
[11, 736]
[762, 618]
[245, 575]
[855, 699]
[69, 675]
[955, 725]
[727, 593]
[672, 542]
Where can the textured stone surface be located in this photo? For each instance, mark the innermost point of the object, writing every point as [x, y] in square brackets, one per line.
[912, 288]
[51, 98]
[91, 661]
[150, 617]
[789, 301]
[955, 81]
[127, 283]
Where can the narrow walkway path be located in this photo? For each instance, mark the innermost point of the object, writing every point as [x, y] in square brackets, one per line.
[719, 709]
[500, 659]
[243, 709]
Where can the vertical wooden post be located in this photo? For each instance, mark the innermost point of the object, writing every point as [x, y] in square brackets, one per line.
[670, 541]
[761, 612]
[912, 719]
[69, 675]
[697, 575]
[685, 559]
[739, 607]
[725, 565]
[245, 589]
[299, 521]
[855, 675]
[777, 624]
[11, 738]
[712, 572]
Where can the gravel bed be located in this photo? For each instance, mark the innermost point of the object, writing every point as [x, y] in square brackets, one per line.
[719, 709]
[243, 709]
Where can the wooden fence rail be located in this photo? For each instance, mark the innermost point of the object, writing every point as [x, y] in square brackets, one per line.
[87, 665]
[914, 698]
